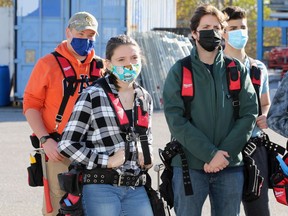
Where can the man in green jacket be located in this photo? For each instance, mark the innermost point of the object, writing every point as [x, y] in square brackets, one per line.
[212, 139]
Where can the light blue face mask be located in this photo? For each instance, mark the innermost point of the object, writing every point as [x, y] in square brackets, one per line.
[238, 38]
[127, 73]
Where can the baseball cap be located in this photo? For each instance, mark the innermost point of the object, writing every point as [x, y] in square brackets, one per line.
[83, 20]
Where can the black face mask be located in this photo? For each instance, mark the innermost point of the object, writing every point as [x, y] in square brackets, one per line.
[209, 39]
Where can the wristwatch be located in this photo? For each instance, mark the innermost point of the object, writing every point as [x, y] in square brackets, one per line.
[43, 139]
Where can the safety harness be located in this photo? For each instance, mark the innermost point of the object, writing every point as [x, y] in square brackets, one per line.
[187, 93]
[70, 78]
[234, 85]
[233, 81]
[140, 119]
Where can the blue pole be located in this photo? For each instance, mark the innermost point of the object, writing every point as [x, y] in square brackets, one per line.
[284, 36]
[260, 29]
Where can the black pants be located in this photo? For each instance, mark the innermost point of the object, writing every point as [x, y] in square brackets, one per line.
[260, 207]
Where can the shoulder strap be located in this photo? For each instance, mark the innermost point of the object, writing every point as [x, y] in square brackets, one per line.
[234, 84]
[70, 76]
[95, 69]
[187, 88]
[141, 122]
[255, 75]
[122, 119]
[141, 117]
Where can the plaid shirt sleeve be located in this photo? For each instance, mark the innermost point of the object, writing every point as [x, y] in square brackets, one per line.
[277, 118]
[77, 130]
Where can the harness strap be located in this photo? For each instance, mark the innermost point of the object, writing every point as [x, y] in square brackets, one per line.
[170, 151]
[234, 84]
[265, 142]
[71, 78]
[95, 69]
[121, 117]
[141, 123]
[185, 173]
[188, 86]
[187, 90]
[255, 74]
[271, 146]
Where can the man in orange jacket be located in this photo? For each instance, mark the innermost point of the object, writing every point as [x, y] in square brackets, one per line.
[45, 89]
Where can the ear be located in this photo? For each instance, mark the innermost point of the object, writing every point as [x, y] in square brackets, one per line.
[194, 35]
[107, 64]
[225, 34]
[68, 33]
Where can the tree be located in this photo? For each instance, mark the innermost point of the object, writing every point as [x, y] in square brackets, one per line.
[6, 3]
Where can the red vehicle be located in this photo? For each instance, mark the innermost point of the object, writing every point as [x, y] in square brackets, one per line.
[278, 59]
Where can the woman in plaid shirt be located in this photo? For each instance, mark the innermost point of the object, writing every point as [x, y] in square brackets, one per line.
[113, 157]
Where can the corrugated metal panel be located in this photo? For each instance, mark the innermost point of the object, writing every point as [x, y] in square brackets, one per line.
[161, 50]
[7, 37]
[146, 15]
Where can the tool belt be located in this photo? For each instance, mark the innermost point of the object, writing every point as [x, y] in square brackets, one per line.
[166, 190]
[110, 176]
[35, 172]
[265, 141]
[253, 181]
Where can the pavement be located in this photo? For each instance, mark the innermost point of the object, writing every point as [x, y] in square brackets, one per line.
[18, 199]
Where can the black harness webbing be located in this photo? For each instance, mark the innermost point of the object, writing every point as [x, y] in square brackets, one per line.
[255, 75]
[187, 79]
[70, 77]
[185, 173]
[271, 146]
[140, 124]
[234, 84]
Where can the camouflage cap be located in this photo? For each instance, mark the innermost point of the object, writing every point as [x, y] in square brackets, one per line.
[83, 20]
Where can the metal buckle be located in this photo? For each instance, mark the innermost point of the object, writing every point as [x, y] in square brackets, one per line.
[236, 103]
[131, 137]
[137, 182]
[143, 179]
[120, 180]
[249, 148]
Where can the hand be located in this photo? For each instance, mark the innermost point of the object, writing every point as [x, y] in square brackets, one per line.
[50, 149]
[261, 122]
[209, 169]
[218, 163]
[141, 161]
[117, 159]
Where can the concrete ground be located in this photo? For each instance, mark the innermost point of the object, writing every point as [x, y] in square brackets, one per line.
[18, 199]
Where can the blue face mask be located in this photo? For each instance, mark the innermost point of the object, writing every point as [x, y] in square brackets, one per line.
[82, 46]
[127, 73]
[238, 38]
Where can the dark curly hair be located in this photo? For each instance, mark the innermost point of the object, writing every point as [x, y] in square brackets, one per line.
[234, 13]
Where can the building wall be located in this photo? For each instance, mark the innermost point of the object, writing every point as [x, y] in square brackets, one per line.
[141, 16]
[145, 15]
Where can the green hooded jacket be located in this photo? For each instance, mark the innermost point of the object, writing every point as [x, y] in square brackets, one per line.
[212, 126]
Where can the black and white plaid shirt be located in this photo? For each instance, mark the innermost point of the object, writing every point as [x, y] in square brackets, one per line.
[92, 133]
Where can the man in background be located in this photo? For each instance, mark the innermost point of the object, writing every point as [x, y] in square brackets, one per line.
[45, 90]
